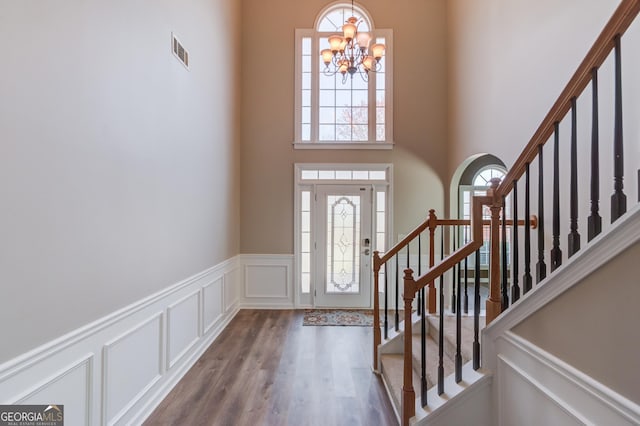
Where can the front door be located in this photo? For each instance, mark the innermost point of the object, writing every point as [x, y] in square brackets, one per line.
[343, 264]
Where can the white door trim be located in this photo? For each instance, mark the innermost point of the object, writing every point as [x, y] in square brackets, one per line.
[303, 184]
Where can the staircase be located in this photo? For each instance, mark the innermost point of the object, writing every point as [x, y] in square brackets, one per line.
[392, 363]
[431, 359]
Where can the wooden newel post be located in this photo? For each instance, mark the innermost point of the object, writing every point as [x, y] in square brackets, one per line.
[433, 223]
[408, 394]
[494, 304]
[377, 338]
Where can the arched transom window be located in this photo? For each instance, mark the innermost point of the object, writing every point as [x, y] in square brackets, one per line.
[332, 20]
[332, 111]
[480, 183]
[482, 179]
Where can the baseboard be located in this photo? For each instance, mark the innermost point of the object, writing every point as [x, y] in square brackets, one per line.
[117, 369]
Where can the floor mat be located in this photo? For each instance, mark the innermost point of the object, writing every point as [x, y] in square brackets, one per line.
[354, 317]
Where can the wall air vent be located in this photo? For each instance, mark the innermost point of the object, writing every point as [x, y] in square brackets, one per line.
[179, 51]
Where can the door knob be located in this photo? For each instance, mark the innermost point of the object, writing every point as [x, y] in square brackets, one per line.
[366, 252]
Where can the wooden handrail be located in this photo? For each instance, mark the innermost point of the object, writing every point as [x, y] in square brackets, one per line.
[402, 243]
[533, 221]
[464, 251]
[444, 266]
[617, 25]
[620, 21]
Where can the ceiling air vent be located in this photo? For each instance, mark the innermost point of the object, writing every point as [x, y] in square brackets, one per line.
[179, 51]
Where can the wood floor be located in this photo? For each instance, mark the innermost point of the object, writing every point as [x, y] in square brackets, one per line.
[265, 368]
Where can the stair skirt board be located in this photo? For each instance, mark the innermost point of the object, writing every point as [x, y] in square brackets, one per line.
[464, 403]
[396, 405]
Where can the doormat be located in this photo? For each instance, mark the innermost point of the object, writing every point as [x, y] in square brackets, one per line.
[354, 317]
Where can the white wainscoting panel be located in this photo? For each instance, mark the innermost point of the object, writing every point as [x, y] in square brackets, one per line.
[537, 375]
[268, 281]
[132, 365]
[117, 369]
[525, 402]
[212, 302]
[183, 326]
[231, 289]
[71, 387]
[537, 388]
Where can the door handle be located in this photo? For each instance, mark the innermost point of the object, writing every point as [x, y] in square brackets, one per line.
[366, 252]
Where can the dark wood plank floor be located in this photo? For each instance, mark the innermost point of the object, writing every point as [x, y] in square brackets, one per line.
[265, 368]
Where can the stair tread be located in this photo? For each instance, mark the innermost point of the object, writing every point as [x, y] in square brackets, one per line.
[432, 359]
[393, 371]
[392, 364]
[466, 349]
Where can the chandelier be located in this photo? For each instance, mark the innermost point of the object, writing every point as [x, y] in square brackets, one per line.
[350, 53]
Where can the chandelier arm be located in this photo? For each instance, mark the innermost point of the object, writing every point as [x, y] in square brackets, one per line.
[354, 54]
[328, 72]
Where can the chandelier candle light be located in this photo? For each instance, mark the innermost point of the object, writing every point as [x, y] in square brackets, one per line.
[350, 53]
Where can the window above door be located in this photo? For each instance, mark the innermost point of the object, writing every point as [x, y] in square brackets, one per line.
[332, 112]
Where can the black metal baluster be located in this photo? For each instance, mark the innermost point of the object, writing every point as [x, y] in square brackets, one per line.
[574, 238]
[476, 314]
[386, 301]
[466, 294]
[541, 267]
[397, 315]
[515, 288]
[505, 276]
[466, 280]
[527, 281]
[455, 274]
[458, 358]
[441, 331]
[595, 221]
[419, 293]
[618, 199]
[556, 253]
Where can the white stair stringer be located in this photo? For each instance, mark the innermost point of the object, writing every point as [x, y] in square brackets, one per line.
[473, 393]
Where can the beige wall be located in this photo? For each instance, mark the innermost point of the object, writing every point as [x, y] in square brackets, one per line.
[509, 60]
[119, 169]
[594, 325]
[419, 157]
